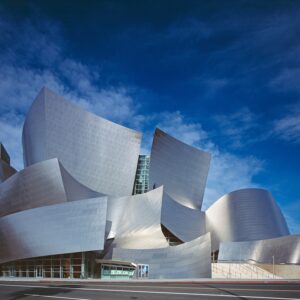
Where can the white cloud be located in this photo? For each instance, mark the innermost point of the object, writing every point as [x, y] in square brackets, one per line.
[288, 127]
[243, 127]
[287, 80]
[240, 127]
[113, 103]
[188, 132]
[291, 213]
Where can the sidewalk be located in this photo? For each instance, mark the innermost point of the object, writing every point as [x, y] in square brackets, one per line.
[178, 281]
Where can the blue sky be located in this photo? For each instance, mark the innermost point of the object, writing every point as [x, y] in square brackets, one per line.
[223, 76]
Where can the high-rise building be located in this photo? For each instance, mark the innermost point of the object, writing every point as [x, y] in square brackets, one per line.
[141, 182]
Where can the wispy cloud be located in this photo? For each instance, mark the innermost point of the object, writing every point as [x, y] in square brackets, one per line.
[191, 133]
[244, 127]
[188, 29]
[288, 127]
[239, 128]
[287, 80]
[291, 212]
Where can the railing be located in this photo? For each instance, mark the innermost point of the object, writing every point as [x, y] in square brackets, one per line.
[240, 270]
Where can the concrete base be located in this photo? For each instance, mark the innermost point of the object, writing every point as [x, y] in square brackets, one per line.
[284, 271]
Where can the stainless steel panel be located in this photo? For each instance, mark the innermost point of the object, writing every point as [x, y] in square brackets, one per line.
[100, 154]
[41, 184]
[285, 250]
[136, 220]
[180, 168]
[61, 228]
[185, 223]
[189, 260]
[245, 215]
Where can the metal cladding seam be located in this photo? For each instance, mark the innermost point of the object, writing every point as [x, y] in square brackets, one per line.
[98, 153]
[180, 168]
[245, 215]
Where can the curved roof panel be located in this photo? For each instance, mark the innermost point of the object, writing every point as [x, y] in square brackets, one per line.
[180, 168]
[41, 184]
[188, 260]
[76, 226]
[245, 215]
[285, 249]
[99, 154]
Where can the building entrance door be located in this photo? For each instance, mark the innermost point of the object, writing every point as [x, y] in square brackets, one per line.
[39, 271]
[143, 271]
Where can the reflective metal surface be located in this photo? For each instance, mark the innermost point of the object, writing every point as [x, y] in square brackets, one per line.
[58, 203]
[136, 220]
[245, 215]
[61, 228]
[41, 184]
[180, 168]
[184, 222]
[98, 153]
[284, 249]
[189, 260]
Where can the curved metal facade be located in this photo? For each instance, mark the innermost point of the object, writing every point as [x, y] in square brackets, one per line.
[41, 184]
[284, 249]
[185, 223]
[180, 168]
[100, 154]
[75, 196]
[189, 260]
[55, 229]
[245, 215]
[136, 220]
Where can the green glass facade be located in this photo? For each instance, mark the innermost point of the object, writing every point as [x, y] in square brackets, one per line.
[141, 183]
